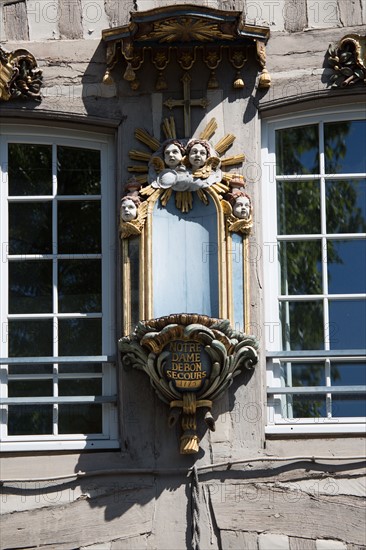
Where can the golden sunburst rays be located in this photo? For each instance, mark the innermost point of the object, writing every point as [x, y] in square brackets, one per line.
[183, 199]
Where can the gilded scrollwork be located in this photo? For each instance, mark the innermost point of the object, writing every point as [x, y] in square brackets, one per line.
[191, 360]
[20, 76]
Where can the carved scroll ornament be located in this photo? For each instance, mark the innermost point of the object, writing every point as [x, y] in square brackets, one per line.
[348, 61]
[191, 360]
[20, 76]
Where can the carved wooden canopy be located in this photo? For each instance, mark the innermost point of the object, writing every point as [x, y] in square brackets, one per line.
[181, 34]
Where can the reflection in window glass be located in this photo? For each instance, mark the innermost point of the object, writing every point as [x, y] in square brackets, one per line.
[78, 171]
[346, 206]
[347, 319]
[30, 419]
[30, 369]
[79, 286]
[30, 228]
[83, 419]
[80, 336]
[30, 287]
[30, 388]
[30, 338]
[298, 207]
[308, 406]
[79, 227]
[297, 150]
[345, 147]
[81, 386]
[302, 325]
[347, 266]
[301, 267]
[30, 169]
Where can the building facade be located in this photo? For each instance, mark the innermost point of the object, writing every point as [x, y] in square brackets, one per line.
[184, 367]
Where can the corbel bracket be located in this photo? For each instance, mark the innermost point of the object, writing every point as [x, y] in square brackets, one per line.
[191, 360]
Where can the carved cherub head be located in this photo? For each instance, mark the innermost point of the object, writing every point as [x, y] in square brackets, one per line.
[130, 202]
[241, 204]
[173, 154]
[198, 151]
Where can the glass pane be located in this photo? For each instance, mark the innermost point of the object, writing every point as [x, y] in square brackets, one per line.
[30, 338]
[30, 228]
[30, 419]
[302, 325]
[347, 266]
[347, 320]
[80, 336]
[30, 287]
[30, 369]
[84, 419]
[346, 206]
[78, 171]
[298, 207]
[348, 405]
[308, 406]
[304, 375]
[79, 286]
[297, 150]
[80, 386]
[30, 388]
[301, 267]
[80, 367]
[30, 169]
[345, 147]
[79, 229]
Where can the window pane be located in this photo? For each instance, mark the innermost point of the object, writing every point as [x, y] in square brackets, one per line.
[30, 419]
[30, 169]
[80, 367]
[347, 324]
[80, 336]
[31, 338]
[346, 206]
[347, 266]
[30, 287]
[83, 419]
[30, 369]
[297, 150]
[308, 406]
[80, 386]
[78, 171]
[302, 325]
[348, 374]
[30, 388]
[79, 229]
[79, 286]
[298, 207]
[345, 147]
[30, 228]
[301, 267]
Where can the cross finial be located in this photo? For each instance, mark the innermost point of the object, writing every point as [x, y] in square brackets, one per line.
[186, 103]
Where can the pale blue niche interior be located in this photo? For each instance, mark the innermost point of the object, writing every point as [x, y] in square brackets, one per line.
[238, 278]
[185, 259]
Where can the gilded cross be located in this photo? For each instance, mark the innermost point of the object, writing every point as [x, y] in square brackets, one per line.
[186, 103]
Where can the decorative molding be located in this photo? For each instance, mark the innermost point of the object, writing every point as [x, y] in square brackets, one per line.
[348, 61]
[180, 33]
[191, 360]
[20, 76]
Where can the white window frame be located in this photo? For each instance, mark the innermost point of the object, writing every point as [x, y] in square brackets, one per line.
[38, 134]
[276, 422]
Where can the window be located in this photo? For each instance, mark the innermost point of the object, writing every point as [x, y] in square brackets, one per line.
[314, 222]
[57, 279]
